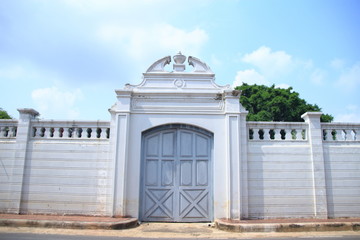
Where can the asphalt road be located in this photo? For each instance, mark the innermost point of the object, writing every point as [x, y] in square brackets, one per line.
[31, 236]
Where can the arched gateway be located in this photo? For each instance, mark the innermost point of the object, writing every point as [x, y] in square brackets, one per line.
[172, 170]
[177, 174]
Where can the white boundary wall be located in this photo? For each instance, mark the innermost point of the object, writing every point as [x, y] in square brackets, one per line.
[55, 170]
[279, 172]
[306, 177]
[49, 174]
[261, 169]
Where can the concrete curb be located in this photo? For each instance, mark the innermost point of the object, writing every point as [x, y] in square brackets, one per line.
[130, 223]
[287, 227]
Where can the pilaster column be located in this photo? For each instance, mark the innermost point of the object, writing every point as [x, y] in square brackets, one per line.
[244, 204]
[119, 138]
[232, 110]
[20, 158]
[318, 164]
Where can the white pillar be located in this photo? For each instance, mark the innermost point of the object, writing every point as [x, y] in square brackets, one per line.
[318, 164]
[244, 204]
[119, 136]
[232, 110]
[20, 158]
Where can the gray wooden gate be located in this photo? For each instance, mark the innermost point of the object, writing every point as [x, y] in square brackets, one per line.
[176, 175]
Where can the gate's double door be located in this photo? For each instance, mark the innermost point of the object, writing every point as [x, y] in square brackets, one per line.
[176, 176]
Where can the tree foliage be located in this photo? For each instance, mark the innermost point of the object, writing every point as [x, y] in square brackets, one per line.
[275, 104]
[4, 114]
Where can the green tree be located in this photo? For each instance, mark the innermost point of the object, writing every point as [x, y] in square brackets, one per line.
[4, 114]
[275, 104]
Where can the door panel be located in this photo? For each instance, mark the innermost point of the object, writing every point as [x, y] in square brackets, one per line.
[167, 173]
[177, 169]
[186, 173]
[151, 172]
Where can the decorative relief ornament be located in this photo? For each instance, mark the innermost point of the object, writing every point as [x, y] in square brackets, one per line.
[179, 60]
[179, 83]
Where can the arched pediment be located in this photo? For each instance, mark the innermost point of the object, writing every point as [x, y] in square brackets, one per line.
[179, 66]
[198, 65]
[159, 65]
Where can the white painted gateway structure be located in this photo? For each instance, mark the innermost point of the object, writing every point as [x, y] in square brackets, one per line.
[178, 148]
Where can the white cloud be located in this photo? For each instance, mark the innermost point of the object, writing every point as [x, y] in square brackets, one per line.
[352, 114]
[249, 76]
[318, 77]
[352, 107]
[337, 63]
[12, 72]
[110, 5]
[269, 62]
[348, 117]
[139, 42]
[349, 80]
[270, 65]
[56, 103]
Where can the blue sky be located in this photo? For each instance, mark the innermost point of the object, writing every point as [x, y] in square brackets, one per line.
[65, 58]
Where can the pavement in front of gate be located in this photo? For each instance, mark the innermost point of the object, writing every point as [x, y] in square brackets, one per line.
[222, 228]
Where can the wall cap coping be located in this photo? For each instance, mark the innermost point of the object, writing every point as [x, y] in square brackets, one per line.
[311, 114]
[29, 111]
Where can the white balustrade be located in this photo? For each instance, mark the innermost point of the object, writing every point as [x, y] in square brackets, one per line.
[43, 129]
[340, 132]
[277, 131]
[8, 128]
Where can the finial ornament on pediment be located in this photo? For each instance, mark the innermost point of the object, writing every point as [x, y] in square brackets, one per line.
[179, 66]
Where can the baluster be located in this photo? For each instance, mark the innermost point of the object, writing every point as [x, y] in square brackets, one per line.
[12, 131]
[3, 132]
[348, 136]
[334, 135]
[256, 134]
[65, 133]
[342, 135]
[47, 132]
[298, 134]
[37, 131]
[266, 134]
[103, 133]
[57, 132]
[351, 135]
[326, 134]
[277, 134]
[93, 133]
[355, 136]
[76, 133]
